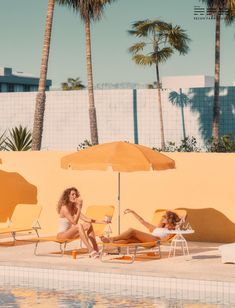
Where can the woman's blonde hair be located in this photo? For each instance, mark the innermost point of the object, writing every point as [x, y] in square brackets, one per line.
[64, 199]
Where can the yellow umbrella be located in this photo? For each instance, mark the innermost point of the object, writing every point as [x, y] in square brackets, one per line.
[118, 156]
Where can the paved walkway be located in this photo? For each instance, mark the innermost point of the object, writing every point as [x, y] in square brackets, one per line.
[204, 262]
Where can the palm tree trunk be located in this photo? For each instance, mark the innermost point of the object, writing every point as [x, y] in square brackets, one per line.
[92, 109]
[160, 109]
[216, 108]
[41, 95]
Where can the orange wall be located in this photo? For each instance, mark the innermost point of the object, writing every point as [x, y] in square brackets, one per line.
[203, 183]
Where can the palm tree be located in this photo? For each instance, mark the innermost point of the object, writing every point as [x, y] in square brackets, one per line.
[20, 139]
[160, 40]
[41, 95]
[181, 100]
[89, 10]
[217, 7]
[72, 84]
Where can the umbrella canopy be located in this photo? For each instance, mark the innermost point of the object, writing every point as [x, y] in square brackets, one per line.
[119, 156]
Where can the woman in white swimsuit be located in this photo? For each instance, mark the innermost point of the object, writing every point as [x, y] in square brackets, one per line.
[69, 210]
[169, 221]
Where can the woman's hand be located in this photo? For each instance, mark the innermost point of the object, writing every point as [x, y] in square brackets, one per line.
[104, 221]
[79, 203]
[127, 211]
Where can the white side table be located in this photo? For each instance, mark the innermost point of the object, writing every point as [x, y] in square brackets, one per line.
[179, 240]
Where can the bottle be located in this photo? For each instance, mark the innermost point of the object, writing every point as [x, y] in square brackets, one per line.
[74, 254]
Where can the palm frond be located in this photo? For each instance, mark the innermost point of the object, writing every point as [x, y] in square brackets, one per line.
[137, 47]
[178, 38]
[92, 9]
[163, 54]
[221, 6]
[230, 14]
[143, 60]
[2, 141]
[146, 27]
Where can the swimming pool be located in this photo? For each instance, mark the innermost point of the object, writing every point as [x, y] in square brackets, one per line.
[74, 288]
[20, 297]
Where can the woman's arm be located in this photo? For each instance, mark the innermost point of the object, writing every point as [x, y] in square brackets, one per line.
[141, 220]
[88, 219]
[73, 219]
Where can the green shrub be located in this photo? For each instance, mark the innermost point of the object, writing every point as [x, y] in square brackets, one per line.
[188, 144]
[83, 145]
[226, 144]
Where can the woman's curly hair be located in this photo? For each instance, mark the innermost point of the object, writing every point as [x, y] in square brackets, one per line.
[64, 199]
[172, 219]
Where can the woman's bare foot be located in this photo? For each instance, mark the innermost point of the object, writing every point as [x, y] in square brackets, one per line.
[105, 239]
[94, 254]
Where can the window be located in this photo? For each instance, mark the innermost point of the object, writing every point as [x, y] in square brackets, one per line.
[10, 87]
[26, 88]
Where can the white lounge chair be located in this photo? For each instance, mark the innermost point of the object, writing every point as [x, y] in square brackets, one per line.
[227, 253]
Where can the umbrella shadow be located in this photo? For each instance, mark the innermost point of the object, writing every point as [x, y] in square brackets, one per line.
[14, 189]
[210, 225]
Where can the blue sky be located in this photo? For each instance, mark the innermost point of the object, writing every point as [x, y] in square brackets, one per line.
[22, 29]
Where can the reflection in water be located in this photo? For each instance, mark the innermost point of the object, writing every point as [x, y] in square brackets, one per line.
[22, 298]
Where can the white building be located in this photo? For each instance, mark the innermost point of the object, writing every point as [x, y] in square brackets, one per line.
[191, 81]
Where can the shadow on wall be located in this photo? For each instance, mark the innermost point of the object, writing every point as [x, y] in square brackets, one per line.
[210, 225]
[202, 101]
[14, 189]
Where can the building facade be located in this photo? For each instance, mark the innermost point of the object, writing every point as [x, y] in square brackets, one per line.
[18, 82]
[190, 81]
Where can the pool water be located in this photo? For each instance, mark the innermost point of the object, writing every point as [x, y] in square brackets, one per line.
[19, 297]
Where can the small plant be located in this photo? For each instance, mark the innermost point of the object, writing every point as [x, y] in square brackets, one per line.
[20, 139]
[226, 144]
[3, 141]
[83, 145]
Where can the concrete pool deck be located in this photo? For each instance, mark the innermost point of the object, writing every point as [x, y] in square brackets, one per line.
[204, 262]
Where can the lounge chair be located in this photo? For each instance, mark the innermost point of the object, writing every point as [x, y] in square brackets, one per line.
[24, 219]
[99, 212]
[94, 212]
[227, 252]
[130, 250]
[126, 253]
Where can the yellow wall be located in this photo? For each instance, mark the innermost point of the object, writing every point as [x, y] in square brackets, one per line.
[202, 183]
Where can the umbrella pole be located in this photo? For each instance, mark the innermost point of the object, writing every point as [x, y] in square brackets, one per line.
[119, 203]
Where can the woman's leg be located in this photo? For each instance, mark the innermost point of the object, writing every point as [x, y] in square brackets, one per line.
[74, 232]
[91, 234]
[136, 235]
